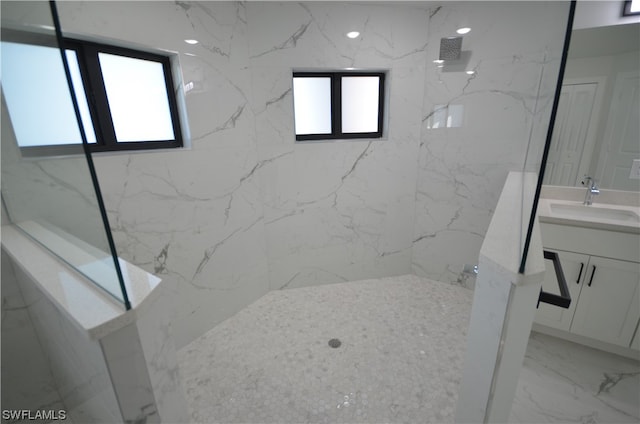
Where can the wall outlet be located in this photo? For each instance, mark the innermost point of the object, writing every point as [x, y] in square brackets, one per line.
[635, 170]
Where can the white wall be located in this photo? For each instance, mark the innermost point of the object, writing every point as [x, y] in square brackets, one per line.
[607, 67]
[247, 210]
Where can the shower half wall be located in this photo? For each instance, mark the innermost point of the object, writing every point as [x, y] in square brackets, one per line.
[246, 210]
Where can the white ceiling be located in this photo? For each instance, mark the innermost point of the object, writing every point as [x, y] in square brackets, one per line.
[604, 41]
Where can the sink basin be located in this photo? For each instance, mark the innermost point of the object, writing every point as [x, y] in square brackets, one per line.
[593, 213]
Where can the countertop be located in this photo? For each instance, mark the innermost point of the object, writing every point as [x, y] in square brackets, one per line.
[567, 198]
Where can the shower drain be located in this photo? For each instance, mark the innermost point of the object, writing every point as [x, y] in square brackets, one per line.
[334, 343]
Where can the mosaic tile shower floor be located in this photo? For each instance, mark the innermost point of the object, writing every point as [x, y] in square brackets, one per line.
[271, 362]
[399, 361]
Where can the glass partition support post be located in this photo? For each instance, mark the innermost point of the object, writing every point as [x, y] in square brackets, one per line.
[87, 152]
[547, 145]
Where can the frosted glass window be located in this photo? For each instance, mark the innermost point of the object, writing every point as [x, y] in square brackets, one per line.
[446, 116]
[338, 105]
[137, 95]
[360, 104]
[36, 91]
[455, 115]
[81, 96]
[312, 105]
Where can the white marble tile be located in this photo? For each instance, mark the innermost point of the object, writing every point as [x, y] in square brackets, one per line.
[27, 381]
[58, 191]
[337, 211]
[490, 303]
[128, 375]
[506, 104]
[157, 343]
[565, 382]
[503, 309]
[76, 362]
[124, 369]
[313, 34]
[191, 214]
[247, 209]
[195, 217]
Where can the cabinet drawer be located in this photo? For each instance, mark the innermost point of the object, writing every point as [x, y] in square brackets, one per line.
[591, 241]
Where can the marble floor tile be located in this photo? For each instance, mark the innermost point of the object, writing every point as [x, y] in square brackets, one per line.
[564, 382]
[400, 358]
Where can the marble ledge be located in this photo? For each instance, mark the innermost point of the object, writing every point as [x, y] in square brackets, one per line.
[90, 309]
[503, 243]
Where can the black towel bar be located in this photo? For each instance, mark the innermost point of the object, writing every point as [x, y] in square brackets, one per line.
[564, 299]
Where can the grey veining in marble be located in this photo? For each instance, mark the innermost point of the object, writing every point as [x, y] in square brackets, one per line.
[259, 211]
[29, 387]
[565, 382]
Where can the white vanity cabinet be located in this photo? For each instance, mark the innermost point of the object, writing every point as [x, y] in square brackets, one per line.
[605, 292]
[608, 308]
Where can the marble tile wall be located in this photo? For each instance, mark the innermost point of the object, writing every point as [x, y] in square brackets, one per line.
[337, 211]
[75, 362]
[158, 348]
[119, 367]
[62, 184]
[27, 380]
[246, 210]
[193, 216]
[515, 50]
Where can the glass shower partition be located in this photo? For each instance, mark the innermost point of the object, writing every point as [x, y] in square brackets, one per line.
[49, 186]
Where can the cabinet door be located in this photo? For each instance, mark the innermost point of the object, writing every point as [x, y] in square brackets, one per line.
[609, 306]
[574, 266]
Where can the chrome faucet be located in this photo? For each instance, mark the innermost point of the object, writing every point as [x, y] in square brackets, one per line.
[592, 190]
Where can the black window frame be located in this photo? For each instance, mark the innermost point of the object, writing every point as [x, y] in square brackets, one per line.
[95, 91]
[626, 9]
[336, 104]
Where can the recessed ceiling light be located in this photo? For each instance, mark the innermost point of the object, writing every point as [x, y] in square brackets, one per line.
[353, 34]
[191, 41]
[464, 30]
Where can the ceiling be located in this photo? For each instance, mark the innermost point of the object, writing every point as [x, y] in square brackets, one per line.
[604, 41]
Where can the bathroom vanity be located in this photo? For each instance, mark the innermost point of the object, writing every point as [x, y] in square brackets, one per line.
[599, 250]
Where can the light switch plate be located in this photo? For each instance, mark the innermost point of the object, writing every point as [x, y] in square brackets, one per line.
[635, 170]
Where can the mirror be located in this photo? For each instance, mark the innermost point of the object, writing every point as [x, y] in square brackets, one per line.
[597, 129]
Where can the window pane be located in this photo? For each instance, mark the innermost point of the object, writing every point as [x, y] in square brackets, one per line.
[35, 89]
[312, 105]
[81, 96]
[137, 96]
[360, 97]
